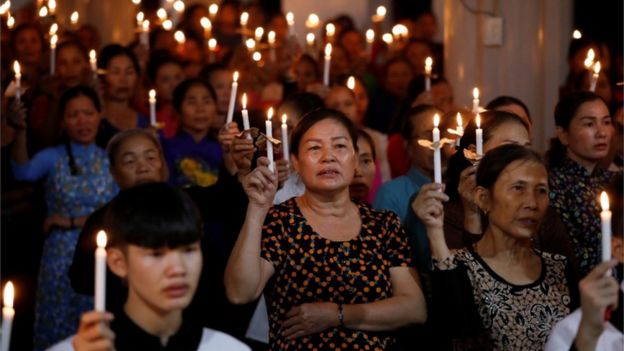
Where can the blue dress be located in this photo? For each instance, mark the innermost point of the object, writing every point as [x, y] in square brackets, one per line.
[58, 308]
[192, 163]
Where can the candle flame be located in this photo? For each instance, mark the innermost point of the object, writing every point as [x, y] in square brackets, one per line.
[5, 7]
[290, 18]
[146, 25]
[381, 11]
[271, 37]
[101, 239]
[589, 59]
[235, 76]
[136, 2]
[17, 69]
[244, 18]
[312, 21]
[9, 294]
[178, 6]
[139, 17]
[43, 11]
[284, 118]
[179, 37]
[10, 21]
[351, 83]
[244, 101]
[53, 29]
[270, 113]
[52, 5]
[250, 43]
[478, 121]
[436, 120]
[53, 41]
[205, 23]
[604, 201]
[328, 50]
[310, 39]
[213, 9]
[212, 43]
[92, 55]
[428, 64]
[597, 67]
[387, 38]
[256, 56]
[475, 93]
[370, 35]
[167, 24]
[74, 17]
[459, 119]
[330, 29]
[152, 94]
[577, 34]
[259, 33]
[162, 14]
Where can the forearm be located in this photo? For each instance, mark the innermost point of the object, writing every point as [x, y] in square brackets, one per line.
[437, 244]
[472, 221]
[388, 314]
[586, 338]
[243, 273]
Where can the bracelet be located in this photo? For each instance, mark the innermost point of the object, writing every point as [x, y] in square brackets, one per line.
[340, 315]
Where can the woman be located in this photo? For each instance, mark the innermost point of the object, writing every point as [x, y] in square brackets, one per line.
[334, 273]
[584, 132]
[364, 175]
[500, 293]
[77, 182]
[120, 86]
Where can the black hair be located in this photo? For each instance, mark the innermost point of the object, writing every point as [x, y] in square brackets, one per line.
[180, 91]
[302, 103]
[369, 139]
[158, 59]
[154, 33]
[409, 122]
[208, 70]
[153, 215]
[72, 44]
[490, 120]
[395, 60]
[505, 100]
[414, 89]
[25, 26]
[311, 118]
[66, 97]
[114, 50]
[565, 111]
[497, 159]
[310, 60]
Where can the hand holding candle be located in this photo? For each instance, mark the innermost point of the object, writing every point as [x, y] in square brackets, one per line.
[100, 272]
[269, 134]
[230, 113]
[7, 316]
[428, 64]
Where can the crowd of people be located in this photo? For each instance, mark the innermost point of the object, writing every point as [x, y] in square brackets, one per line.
[221, 238]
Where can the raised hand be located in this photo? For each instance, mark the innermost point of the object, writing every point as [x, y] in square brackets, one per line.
[94, 333]
[260, 185]
[242, 150]
[428, 205]
[227, 134]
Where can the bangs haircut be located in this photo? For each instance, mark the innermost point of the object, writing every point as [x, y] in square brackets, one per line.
[154, 216]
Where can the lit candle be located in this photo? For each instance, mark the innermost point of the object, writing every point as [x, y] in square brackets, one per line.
[53, 41]
[577, 34]
[244, 18]
[479, 136]
[178, 6]
[310, 40]
[437, 160]
[605, 219]
[594, 78]
[285, 151]
[258, 33]
[250, 44]
[328, 50]
[53, 29]
[4, 8]
[380, 14]
[212, 10]
[245, 113]
[212, 48]
[269, 133]
[180, 38]
[207, 25]
[589, 59]
[370, 38]
[140, 17]
[388, 39]
[428, 64]
[161, 14]
[73, 19]
[7, 315]
[313, 21]
[100, 272]
[351, 83]
[290, 18]
[167, 24]
[52, 7]
[475, 100]
[136, 2]
[396, 31]
[256, 56]
[145, 33]
[230, 113]
[330, 30]
[43, 12]
[271, 40]
[152, 103]
[460, 128]
[10, 22]
[18, 80]
[93, 62]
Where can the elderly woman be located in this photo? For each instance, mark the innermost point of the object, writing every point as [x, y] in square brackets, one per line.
[500, 293]
[335, 274]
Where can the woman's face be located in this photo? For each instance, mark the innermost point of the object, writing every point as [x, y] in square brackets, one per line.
[361, 99]
[398, 77]
[517, 202]
[340, 64]
[341, 98]
[588, 136]
[364, 172]
[121, 78]
[168, 77]
[138, 161]
[70, 65]
[507, 133]
[305, 74]
[416, 53]
[326, 160]
[28, 47]
[353, 42]
[198, 109]
[81, 120]
[221, 82]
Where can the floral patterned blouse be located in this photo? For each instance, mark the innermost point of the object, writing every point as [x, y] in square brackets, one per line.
[192, 163]
[310, 268]
[574, 194]
[483, 311]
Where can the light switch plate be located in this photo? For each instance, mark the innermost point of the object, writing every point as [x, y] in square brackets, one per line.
[493, 31]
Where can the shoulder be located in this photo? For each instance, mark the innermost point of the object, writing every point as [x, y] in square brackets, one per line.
[393, 189]
[213, 340]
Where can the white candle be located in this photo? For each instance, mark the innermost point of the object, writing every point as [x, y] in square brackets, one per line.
[605, 219]
[370, 38]
[145, 33]
[594, 79]
[230, 113]
[245, 113]
[269, 133]
[290, 18]
[53, 41]
[328, 51]
[52, 6]
[18, 80]
[428, 64]
[310, 38]
[330, 31]
[479, 136]
[271, 40]
[475, 100]
[437, 159]
[139, 18]
[7, 315]
[152, 103]
[212, 48]
[244, 18]
[207, 25]
[285, 151]
[100, 272]
[93, 62]
[460, 128]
